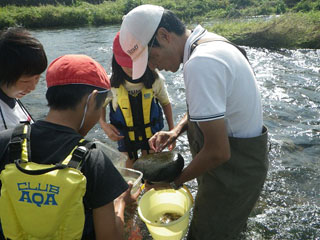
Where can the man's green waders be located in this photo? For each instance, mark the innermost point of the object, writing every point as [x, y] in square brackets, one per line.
[226, 195]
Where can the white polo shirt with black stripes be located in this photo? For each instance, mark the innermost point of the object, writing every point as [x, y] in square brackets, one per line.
[220, 83]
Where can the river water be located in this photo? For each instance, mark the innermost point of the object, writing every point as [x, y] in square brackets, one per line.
[289, 80]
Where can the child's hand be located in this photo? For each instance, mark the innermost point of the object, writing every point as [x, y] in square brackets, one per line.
[112, 132]
[129, 198]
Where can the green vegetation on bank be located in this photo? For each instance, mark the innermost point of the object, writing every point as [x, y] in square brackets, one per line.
[48, 16]
[292, 30]
[297, 27]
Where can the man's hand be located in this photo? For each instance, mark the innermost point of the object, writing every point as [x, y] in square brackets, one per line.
[162, 139]
[157, 186]
[172, 145]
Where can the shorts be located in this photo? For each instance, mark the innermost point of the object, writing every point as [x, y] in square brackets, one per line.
[142, 145]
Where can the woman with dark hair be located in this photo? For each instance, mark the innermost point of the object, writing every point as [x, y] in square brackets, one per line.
[22, 60]
[135, 113]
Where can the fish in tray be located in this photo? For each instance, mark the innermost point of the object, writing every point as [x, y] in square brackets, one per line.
[160, 167]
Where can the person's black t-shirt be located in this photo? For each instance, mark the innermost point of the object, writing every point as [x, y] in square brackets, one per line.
[50, 143]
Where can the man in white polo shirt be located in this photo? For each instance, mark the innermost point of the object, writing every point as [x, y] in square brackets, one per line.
[224, 120]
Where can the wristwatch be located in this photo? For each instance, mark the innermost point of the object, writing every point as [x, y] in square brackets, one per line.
[175, 186]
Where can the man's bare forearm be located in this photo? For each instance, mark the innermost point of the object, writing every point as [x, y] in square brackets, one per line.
[182, 126]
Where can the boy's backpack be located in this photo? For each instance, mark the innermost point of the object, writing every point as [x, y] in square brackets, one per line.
[42, 201]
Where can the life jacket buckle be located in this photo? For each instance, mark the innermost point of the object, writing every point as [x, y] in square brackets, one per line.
[80, 152]
[77, 156]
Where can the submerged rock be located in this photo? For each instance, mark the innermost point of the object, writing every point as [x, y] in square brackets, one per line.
[160, 167]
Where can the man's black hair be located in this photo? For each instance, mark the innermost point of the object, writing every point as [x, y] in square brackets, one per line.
[171, 23]
[63, 97]
[118, 76]
[20, 54]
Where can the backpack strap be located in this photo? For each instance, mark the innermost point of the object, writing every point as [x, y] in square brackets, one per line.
[20, 152]
[218, 38]
[19, 145]
[38, 171]
[78, 155]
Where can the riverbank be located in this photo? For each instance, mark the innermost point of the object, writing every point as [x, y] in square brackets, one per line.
[290, 30]
[49, 16]
[293, 30]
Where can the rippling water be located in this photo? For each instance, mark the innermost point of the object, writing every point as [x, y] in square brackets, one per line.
[289, 207]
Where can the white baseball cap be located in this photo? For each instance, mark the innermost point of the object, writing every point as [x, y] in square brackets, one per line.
[136, 31]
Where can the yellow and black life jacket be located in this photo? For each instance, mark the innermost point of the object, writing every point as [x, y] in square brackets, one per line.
[137, 117]
[42, 201]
